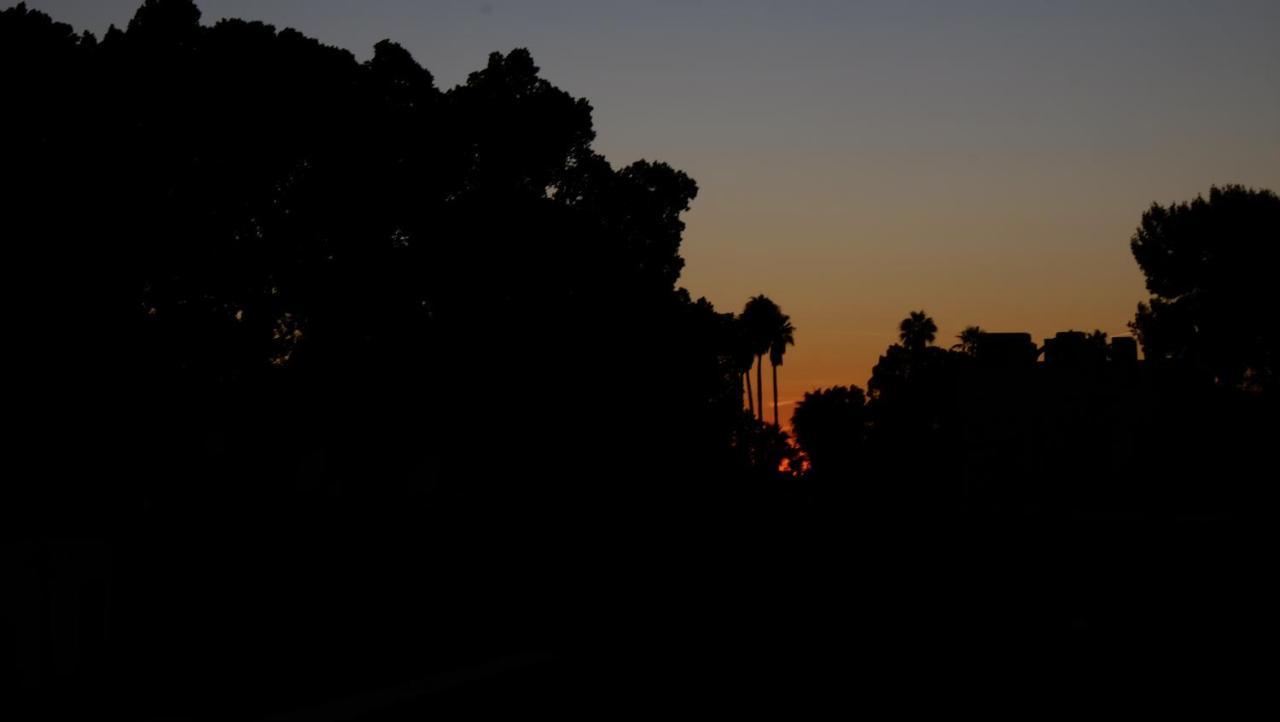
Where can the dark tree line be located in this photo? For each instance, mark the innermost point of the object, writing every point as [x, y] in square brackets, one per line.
[410, 362]
[238, 237]
[986, 424]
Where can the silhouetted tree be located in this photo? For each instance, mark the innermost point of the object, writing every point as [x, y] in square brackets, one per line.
[917, 331]
[784, 335]
[761, 317]
[968, 339]
[168, 21]
[1208, 265]
[829, 425]
[915, 411]
[773, 455]
[1098, 338]
[744, 356]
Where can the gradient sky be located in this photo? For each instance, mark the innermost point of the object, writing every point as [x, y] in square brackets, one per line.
[984, 161]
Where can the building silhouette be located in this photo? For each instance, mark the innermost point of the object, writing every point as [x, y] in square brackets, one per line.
[1051, 426]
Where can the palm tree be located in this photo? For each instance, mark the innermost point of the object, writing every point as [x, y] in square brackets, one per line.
[744, 356]
[917, 331]
[969, 339]
[759, 318]
[784, 335]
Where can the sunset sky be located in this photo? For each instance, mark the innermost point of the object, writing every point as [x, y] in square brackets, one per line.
[984, 161]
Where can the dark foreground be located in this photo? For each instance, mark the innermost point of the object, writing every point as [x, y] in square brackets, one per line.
[346, 618]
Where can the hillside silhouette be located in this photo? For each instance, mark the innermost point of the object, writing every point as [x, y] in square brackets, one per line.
[341, 395]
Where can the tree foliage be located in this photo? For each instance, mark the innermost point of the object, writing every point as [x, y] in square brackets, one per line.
[1209, 265]
[256, 237]
[830, 426]
[917, 331]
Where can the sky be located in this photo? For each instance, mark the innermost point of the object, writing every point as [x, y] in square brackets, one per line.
[986, 162]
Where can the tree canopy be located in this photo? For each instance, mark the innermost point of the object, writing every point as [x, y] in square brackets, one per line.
[830, 425]
[251, 231]
[1209, 265]
[917, 331]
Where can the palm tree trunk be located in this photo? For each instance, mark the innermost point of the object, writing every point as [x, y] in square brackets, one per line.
[751, 402]
[775, 395]
[760, 386]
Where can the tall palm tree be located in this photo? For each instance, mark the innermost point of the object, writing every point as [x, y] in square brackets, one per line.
[784, 335]
[759, 317]
[744, 356]
[917, 331]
